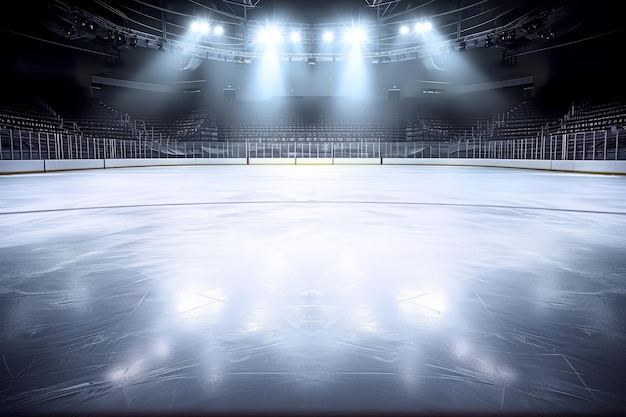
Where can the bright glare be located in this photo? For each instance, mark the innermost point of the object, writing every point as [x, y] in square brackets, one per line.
[414, 302]
[270, 35]
[404, 29]
[355, 35]
[201, 27]
[422, 27]
[295, 36]
[219, 30]
[328, 36]
[199, 302]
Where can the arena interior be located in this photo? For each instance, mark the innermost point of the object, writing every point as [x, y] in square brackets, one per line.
[312, 207]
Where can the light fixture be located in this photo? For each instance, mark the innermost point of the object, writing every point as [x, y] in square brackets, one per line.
[355, 35]
[200, 26]
[270, 35]
[423, 27]
[328, 36]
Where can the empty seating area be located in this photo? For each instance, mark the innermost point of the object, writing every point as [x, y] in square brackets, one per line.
[591, 116]
[29, 116]
[529, 119]
[428, 126]
[195, 125]
[32, 128]
[96, 119]
[272, 126]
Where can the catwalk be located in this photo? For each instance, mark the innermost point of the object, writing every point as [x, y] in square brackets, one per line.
[327, 289]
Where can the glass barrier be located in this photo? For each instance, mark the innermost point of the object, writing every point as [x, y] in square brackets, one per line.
[595, 145]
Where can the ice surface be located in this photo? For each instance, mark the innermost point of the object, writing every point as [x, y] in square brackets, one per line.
[312, 288]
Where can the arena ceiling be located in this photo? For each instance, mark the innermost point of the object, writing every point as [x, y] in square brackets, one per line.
[554, 40]
[512, 25]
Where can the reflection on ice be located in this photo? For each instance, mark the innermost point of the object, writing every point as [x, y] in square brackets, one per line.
[422, 303]
[206, 303]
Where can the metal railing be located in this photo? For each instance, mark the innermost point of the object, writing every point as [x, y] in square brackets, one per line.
[30, 145]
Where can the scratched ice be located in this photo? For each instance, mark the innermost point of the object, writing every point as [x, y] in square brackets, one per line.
[312, 288]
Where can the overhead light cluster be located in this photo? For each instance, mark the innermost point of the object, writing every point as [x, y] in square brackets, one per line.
[355, 35]
[274, 35]
[419, 28]
[202, 27]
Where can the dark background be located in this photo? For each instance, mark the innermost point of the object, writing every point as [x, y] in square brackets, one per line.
[583, 63]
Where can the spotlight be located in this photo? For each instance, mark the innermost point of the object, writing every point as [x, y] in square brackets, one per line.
[508, 36]
[295, 36]
[270, 35]
[533, 25]
[355, 35]
[404, 29]
[86, 24]
[423, 27]
[488, 42]
[200, 26]
[133, 41]
[546, 33]
[159, 45]
[328, 36]
[218, 30]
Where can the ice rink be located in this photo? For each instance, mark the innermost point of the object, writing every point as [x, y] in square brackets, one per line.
[355, 289]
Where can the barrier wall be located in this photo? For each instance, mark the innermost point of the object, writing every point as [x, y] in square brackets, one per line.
[272, 161]
[220, 161]
[72, 164]
[496, 163]
[32, 166]
[314, 161]
[356, 161]
[16, 167]
[146, 162]
[600, 167]
[122, 163]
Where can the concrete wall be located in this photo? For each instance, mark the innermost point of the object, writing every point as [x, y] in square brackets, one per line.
[30, 166]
